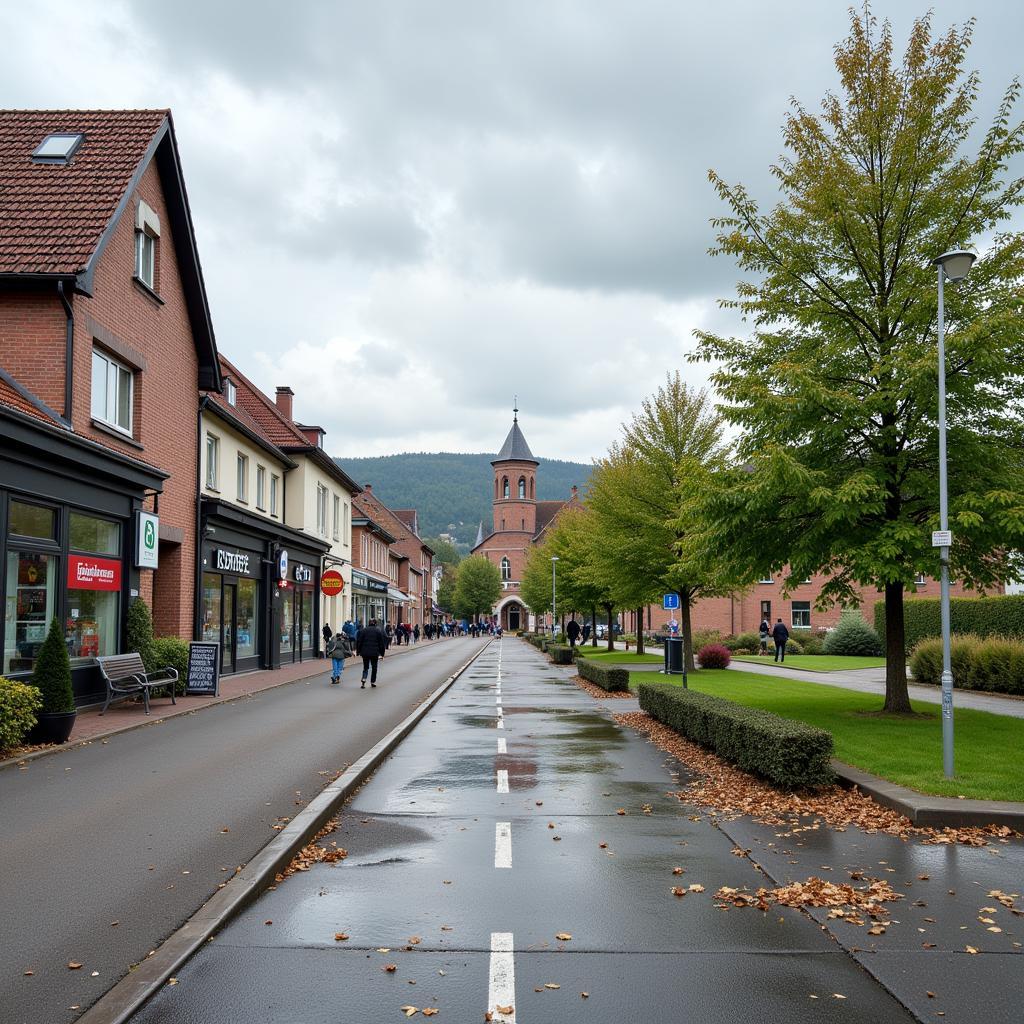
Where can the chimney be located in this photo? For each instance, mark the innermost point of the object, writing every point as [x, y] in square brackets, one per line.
[368, 488]
[284, 402]
[574, 491]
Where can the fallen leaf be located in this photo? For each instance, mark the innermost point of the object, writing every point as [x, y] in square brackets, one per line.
[268, 922]
[28, 974]
[415, 940]
[384, 949]
[930, 995]
[876, 930]
[340, 936]
[390, 968]
[971, 950]
[551, 984]
[506, 1010]
[584, 995]
[677, 871]
[696, 888]
[678, 891]
[621, 810]
[74, 965]
[430, 1011]
[563, 936]
[172, 981]
[838, 995]
[410, 1011]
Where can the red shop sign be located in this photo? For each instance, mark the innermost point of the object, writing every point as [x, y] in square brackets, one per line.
[331, 582]
[86, 572]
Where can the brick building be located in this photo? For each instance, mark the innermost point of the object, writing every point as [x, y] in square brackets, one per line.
[519, 522]
[105, 341]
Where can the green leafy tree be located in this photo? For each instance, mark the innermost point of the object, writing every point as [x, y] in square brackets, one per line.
[835, 387]
[642, 501]
[446, 590]
[51, 673]
[535, 586]
[477, 587]
[445, 552]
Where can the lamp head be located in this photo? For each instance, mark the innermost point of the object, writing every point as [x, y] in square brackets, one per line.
[554, 558]
[956, 263]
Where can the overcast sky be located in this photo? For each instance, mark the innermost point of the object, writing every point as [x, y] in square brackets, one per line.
[410, 212]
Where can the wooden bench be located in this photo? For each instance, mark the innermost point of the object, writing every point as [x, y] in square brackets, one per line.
[126, 676]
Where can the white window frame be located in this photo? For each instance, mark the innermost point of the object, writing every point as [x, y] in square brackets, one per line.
[347, 529]
[766, 579]
[274, 478]
[336, 517]
[321, 510]
[261, 487]
[114, 373]
[230, 392]
[793, 614]
[920, 581]
[212, 462]
[242, 471]
[506, 568]
[145, 257]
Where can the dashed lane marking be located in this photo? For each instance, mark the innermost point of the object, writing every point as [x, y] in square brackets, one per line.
[503, 844]
[501, 990]
[502, 780]
[502, 747]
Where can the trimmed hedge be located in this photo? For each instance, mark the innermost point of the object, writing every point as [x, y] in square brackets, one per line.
[560, 654]
[789, 754]
[1000, 615]
[19, 705]
[614, 680]
[172, 652]
[994, 664]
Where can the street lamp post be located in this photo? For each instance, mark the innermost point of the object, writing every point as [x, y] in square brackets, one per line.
[554, 613]
[953, 265]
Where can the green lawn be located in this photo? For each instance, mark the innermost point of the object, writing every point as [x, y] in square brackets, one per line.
[815, 662]
[905, 751]
[622, 657]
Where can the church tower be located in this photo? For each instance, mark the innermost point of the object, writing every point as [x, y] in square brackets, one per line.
[515, 484]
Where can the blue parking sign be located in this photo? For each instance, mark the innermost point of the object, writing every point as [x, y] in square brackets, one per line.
[670, 601]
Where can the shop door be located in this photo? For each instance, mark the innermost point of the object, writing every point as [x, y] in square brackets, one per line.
[287, 624]
[513, 618]
[304, 623]
[227, 644]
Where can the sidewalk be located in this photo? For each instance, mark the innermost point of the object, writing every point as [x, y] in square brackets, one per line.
[91, 725]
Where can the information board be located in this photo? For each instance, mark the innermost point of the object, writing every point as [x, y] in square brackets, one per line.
[203, 669]
[670, 601]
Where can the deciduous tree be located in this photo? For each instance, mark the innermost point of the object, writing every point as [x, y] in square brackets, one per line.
[477, 586]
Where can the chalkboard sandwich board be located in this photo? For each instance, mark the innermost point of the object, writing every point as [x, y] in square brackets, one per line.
[203, 669]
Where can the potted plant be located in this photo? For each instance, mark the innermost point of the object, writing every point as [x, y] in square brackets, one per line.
[51, 675]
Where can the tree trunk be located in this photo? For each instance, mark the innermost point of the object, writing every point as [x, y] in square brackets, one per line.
[640, 630]
[611, 635]
[897, 699]
[684, 604]
[593, 626]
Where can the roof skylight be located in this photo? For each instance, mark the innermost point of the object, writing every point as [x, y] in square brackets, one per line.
[58, 148]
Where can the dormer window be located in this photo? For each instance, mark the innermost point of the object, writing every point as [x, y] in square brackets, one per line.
[58, 148]
[230, 392]
[147, 236]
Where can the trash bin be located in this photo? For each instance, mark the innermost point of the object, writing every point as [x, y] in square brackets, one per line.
[674, 656]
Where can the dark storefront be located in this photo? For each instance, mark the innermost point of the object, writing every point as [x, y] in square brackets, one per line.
[68, 522]
[369, 599]
[257, 586]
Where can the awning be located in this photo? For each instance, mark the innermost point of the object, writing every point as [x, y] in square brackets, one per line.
[397, 595]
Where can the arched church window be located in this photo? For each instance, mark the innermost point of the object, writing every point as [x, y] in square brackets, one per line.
[504, 486]
[522, 487]
[506, 569]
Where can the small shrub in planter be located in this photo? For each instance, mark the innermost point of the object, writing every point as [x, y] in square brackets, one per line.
[853, 635]
[614, 680]
[789, 754]
[714, 656]
[138, 635]
[560, 654]
[19, 705]
[51, 675]
[794, 646]
[172, 652]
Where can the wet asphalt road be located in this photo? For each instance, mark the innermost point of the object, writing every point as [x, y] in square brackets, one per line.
[141, 829]
[465, 887]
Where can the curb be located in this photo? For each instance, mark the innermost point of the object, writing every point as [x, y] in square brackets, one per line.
[931, 811]
[212, 703]
[118, 1004]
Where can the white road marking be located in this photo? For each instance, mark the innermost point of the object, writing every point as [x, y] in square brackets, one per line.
[503, 844]
[497, 700]
[500, 712]
[501, 722]
[502, 780]
[501, 991]
[502, 747]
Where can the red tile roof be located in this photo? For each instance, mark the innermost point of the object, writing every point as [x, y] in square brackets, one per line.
[52, 215]
[408, 516]
[14, 399]
[268, 421]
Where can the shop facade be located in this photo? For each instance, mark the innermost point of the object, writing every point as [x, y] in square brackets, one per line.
[258, 589]
[369, 598]
[70, 524]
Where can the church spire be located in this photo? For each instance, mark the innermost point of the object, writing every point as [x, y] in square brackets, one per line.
[515, 409]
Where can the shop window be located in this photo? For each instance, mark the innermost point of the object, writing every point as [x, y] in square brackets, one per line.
[212, 462]
[211, 607]
[112, 391]
[274, 480]
[31, 592]
[32, 521]
[246, 619]
[801, 614]
[94, 587]
[243, 478]
[261, 488]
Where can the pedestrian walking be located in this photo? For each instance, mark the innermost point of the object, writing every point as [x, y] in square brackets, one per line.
[338, 649]
[416, 633]
[764, 632]
[351, 630]
[586, 632]
[389, 635]
[572, 631]
[780, 635]
[327, 634]
[371, 645]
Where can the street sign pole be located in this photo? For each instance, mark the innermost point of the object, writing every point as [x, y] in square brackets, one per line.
[947, 668]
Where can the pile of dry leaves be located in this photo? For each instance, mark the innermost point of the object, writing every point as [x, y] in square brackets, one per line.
[596, 691]
[731, 792]
[314, 853]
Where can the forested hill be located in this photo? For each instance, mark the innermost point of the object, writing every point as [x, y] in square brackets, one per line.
[450, 488]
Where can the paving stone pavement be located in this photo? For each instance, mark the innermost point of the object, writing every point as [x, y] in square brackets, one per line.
[495, 829]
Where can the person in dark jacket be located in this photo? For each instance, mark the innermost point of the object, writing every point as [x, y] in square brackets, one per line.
[389, 634]
[371, 643]
[327, 634]
[572, 631]
[780, 635]
[764, 632]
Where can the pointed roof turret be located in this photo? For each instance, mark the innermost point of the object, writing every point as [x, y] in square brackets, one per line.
[479, 534]
[515, 448]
